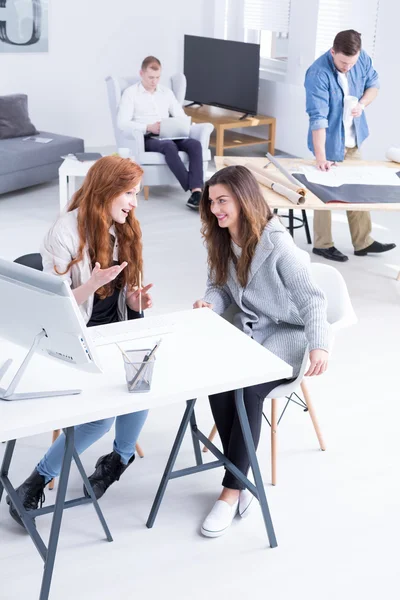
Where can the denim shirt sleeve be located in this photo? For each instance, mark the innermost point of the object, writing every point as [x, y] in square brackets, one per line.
[317, 99]
[371, 80]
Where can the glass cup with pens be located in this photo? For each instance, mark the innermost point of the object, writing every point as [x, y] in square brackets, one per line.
[139, 365]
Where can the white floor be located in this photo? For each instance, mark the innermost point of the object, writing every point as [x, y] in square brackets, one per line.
[336, 513]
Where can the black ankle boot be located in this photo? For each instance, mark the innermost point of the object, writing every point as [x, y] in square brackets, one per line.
[109, 468]
[31, 492]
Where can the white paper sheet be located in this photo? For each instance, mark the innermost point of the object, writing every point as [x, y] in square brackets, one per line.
[39, 140]
[338, 175]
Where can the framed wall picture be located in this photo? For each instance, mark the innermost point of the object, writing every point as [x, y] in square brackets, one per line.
[24, 26]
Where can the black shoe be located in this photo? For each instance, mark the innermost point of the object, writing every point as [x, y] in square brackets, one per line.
[194, 201]
[31, 492]
[109, 468]
[375, 247]
[331, 254]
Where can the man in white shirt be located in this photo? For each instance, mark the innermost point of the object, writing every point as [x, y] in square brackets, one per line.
[142, 107]
[340, 84]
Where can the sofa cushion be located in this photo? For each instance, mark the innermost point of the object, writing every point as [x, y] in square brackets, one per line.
[16, 155]
[14, 117]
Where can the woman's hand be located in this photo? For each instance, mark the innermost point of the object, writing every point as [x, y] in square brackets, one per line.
[101, 276]
[132, 298]
[318, 363]
[202, 304]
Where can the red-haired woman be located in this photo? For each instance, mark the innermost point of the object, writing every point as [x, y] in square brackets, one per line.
[97, 247]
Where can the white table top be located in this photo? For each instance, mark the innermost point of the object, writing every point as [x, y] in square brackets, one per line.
[203, 355]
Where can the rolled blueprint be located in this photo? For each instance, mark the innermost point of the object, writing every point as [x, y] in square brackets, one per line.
[294, 197]
[280, 189]
[278, 178]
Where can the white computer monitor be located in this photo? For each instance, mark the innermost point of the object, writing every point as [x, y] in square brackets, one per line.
[38, 306]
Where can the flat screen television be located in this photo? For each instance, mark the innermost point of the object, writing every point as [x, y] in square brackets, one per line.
[222, 73]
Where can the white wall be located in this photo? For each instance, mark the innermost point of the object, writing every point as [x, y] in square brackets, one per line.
[88, 40]
[383, 114]
[286, 100]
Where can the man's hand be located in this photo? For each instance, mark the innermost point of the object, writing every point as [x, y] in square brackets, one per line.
[202, 304]
[324, 165]
[132, 298]
[153, 128]
[318, 363]
[101, 276]
[357, 110]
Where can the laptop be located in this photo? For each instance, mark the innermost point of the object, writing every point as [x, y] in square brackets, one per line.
[174, 128]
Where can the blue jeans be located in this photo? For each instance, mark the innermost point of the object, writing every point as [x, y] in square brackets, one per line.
[127, 430]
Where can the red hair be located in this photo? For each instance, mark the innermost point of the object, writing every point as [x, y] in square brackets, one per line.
[107, 179]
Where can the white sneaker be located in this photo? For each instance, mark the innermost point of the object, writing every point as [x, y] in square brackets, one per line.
[246, 503]
[219, 519]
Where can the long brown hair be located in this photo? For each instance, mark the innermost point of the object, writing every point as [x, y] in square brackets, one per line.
[254, 215]
[108, 178]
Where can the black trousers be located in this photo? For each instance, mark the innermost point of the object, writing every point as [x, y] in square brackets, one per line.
[191, 179]
[227, 421]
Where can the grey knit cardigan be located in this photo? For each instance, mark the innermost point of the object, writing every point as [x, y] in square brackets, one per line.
[281, 307]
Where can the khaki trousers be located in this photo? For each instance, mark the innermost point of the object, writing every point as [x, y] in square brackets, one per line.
[359, 221]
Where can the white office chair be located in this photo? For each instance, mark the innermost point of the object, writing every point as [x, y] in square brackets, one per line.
[340, 314]
[156, 171]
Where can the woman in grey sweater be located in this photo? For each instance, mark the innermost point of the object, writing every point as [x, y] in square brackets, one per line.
[254, 263]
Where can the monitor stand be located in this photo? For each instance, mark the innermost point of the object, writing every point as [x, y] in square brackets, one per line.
[9, 393]
[193, 104]
[243, 117]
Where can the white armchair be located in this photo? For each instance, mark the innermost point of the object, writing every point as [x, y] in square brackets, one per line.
[156, 171]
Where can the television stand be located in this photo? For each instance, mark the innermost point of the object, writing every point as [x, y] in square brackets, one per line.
[225, 120]
[193, 104]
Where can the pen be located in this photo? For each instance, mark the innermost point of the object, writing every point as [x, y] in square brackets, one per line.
[146, 359]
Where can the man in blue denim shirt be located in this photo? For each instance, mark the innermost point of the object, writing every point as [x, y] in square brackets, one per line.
[336, 133]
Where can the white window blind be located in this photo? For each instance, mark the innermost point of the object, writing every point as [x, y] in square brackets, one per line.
[338, 15]
[267, 15]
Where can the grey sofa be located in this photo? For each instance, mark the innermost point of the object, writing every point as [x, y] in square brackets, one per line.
[28, 163]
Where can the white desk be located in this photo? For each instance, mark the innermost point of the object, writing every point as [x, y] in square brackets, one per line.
[69, 170]
[203, 355]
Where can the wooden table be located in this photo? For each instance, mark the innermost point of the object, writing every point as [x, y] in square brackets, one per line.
[224, 120]
[312, 202]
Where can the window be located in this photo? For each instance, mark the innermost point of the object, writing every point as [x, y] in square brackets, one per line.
[266, 22]
[338, 15]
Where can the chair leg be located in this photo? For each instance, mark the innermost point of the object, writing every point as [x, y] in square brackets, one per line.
[306, 227]
[312, 414]
[146, 191]
[211, 436]
[139, 451]
[274, 427]
[56, 433]
[291, 222]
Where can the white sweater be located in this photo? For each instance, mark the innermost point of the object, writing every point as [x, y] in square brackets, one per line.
[60, 245]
